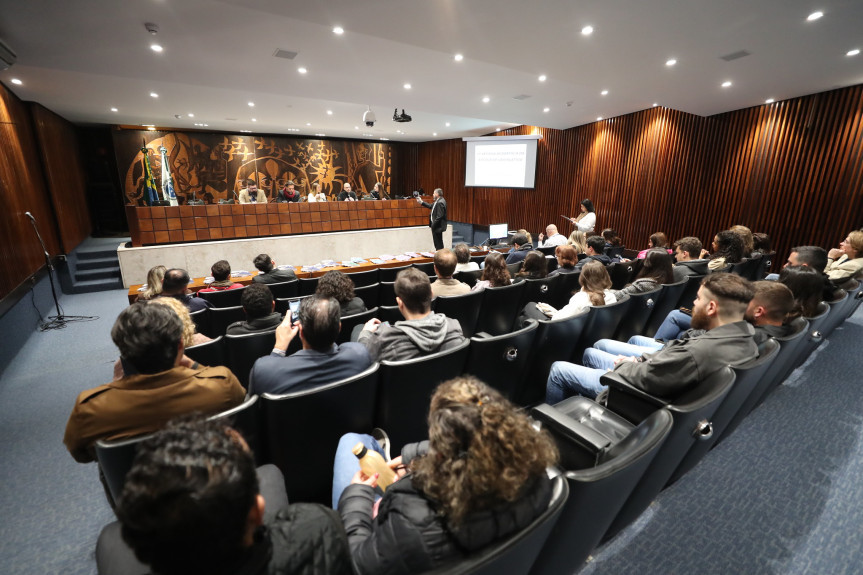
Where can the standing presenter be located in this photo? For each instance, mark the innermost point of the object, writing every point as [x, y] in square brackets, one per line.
[586, 220]
[437, 218]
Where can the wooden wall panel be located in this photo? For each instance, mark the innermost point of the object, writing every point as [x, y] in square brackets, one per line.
[792, 169]
[60, 152]
[22, 189]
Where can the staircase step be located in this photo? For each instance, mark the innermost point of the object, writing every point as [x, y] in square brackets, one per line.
[96, 263]
[97, 274]
[96, 285]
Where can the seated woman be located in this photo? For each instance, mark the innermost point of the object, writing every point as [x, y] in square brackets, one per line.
[535, 267]
[727, 250]
[494, 273]
[340, 287]
[595, 291]
[846, 261]
[578, 240]
[567, 257]
[761, 244]
[747, 238]
[656, 270]
[462, 256]
[480, 477]
[612, 240]
[154, 283]
[657, 240]
[807, 285]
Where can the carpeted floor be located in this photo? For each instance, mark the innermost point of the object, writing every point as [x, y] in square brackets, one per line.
[780, 496]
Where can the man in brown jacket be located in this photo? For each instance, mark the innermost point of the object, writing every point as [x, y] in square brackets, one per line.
[160, 383]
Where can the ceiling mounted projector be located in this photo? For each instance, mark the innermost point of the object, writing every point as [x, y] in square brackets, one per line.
[401, 117]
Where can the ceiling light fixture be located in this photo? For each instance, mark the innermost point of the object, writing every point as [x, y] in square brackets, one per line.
[546, 109]
[726, 84]
[356, 127]
[814, 16]
[254, 119]
[434, 133]
[447, 124]
[301, 70]
[338, 30]
[16, 81]
[407, 86]
[329, 112]
[114, 110]
[486, 99]
[853, 52]
[670, 62]
[604, 92]
[587, 31]
[599, 119]
[251, 104]
[191, 115]
[458, 57]
[154, 95]
[655, 104]
[308, 123]
[769, 101]
[156, 48]
[543, 78]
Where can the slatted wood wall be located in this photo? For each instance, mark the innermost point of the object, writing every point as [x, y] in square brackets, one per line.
[792, 169]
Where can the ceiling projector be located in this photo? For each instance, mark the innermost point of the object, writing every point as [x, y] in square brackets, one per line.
[401, 117]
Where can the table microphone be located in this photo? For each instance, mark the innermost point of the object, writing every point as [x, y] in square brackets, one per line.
[29, 215]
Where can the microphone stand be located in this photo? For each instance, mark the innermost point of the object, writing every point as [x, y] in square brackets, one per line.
[58, 321]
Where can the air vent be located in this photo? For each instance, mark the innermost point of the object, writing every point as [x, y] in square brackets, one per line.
[521, 97]
[735, 55]
[286, 54]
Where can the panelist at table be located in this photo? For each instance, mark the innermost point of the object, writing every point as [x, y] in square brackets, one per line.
[378, 192]
[316, 195]
[288, 194]
[347, 195]
[252, 195]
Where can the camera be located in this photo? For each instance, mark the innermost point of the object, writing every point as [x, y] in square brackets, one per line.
[369, 117]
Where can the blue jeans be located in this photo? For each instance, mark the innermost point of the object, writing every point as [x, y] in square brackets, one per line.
[567, 379]
[346, 463]
[635, 347]
[674, 324]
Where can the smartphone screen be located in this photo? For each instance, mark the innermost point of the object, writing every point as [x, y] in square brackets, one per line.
[295, 310]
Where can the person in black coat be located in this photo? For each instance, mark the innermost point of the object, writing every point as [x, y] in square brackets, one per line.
[347, 195]
[288, 194]
[437, 219]
[340, 287]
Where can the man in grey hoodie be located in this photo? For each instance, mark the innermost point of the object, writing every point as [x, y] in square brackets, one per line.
[422, 332]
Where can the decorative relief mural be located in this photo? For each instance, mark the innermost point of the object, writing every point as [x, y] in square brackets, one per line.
[213, 167]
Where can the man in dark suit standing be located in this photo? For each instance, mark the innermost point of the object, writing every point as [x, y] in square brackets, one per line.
[437, 219]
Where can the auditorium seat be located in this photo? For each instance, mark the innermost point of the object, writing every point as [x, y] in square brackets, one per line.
[369, 294]
[602, 322]
[210, 353]
[566, 287]
[349, 322]
[201, 318]
[222, 317]
[470, 278]
[499, 308]
[548, 251]
[668, 301]
[390, 313]
[539, 290]
[555, 341]
[365, 278]
[308, 286]
[764, 265]
[284, 304]
[224, 298]
[837, 312]
[290, 288]
[621, 273]
[387, 295]
[464, 308]
[244, 351]
[640, 310]
[389, 274]
[614, 251]
[514, 268]
[427, 268]
[501, 361]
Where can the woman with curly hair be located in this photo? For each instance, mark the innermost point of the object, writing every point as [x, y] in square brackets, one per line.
[154, 283]
[480, 477]
[494, 274]
[535, 267]
[727, 249]
[340, 287]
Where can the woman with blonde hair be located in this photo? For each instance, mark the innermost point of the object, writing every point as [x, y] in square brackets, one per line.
[480, 477]
[595, 291]
[578, 240]
[846, 261]
[154, 283]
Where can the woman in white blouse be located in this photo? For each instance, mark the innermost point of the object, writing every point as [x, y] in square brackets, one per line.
[586, 220]
[316, 195]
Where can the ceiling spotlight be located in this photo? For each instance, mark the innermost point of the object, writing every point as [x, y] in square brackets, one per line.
[407, 86]
[254, 119]
[191, 115]
[726, 84]
[599, 119]
[308, 123]
[497, 129]
[243, 131]
[434, 133]
[338, 30]
[329, 112]
[604, 92]
[16, 81]
[458, 57]
[587, 31]
[543, 78]
[853, 52]
[152, 128]
[655, 104]
[769, 101]
[385, 139]
[670, 62]
[114, 110]
[152, 28]
[251, 104]
[356, 127]
[154, 95]
[156, 48]
[447, 124]
[301, 70]
[486, 99]
[814, 16]
[546, 109]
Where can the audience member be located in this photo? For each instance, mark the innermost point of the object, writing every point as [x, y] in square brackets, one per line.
[656, 240]
[747, 239]
[812, 256]
[191, 336]
[729, 340]
[260, 308]
[727, 250]
[535, 267]
[462, 254]
[340, 287]
[595, 252]
[154, 283]
[160, 383]
[761, 244]
[526, 234]
[520, 247]
[494, 272]
[595, 291]
[222, 281]
[321, 360]
[176, 285]
[553, 239]
[445, 262]
[578, 240]
[655, 271]
[687, 252]
[567, 258]
[421, 333]
[194, 503]
[480, 477]
[612, 240]
[270, 274]
[807, 285]
[846, 261]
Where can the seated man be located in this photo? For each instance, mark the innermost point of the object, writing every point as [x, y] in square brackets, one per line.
[288, 194]
[595, 251]
[814, 257]
[687, 252]
[422, 332]
[444, 266]
[252, 195]
[159, 383]
[347, 195]
[462, 255]
[553, 239]
[260, 308]
[320, 361]
[270, 274]
[520, 248]
[176, 285]
[192, 504]
[222, 281]
[728, 339]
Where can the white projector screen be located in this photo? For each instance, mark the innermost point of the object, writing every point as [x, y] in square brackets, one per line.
[501, 162]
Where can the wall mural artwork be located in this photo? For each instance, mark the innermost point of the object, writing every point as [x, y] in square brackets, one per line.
[213, 167]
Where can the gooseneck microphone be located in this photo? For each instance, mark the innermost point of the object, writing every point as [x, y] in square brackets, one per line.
[29, 215]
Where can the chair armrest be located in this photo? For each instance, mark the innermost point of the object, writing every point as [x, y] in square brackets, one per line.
[629, 402]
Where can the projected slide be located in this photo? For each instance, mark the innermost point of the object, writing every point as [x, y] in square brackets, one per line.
[501, 162]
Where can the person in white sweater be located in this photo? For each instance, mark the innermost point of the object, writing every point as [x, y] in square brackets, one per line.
[595, 291]
[586, 220]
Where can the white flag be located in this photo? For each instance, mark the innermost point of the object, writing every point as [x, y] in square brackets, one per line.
[167, 181]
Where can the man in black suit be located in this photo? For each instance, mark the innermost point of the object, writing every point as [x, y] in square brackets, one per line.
[437, 219]
[347, 195]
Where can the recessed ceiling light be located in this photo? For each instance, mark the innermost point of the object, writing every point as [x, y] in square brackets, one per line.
[254, 119]
[543, 78]
[320, 134]
[156, 48]
[338, 30]
[385, 139]
[251, 104]
[329, 112]
[726, 84]
[853, 52]
[769, 101]
[604, 92]
[670, 62]
[599, 119]
[356, 127]
[154, 95]
[114, 110]
[814, 16]
[243, 131]
[655, 104]
[16, 81]
[546, 109]
[434, 133]
[587, 30]
[458, 57]
[407, 86]
[308, 123]
[301, 70]
[447, 124]
[486, 99]
[152, 128]
[191, 115]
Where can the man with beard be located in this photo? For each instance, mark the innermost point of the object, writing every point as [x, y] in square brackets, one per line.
[727, 339]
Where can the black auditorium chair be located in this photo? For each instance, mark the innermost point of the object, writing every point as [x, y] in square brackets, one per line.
[427, 268]
[614, 251]
[222, 317]
[305, 426]
[201, 318]
[389, 274]
[308, 286]
[516, 553]
[669, 301]
[601, 475]
[837, 312]
[640, 309]
[499, 308]
[365, 278]
[514, 268]
[566, 287]
[244, 351]
[210, 353]
[290, 288]
[855, 295]
[555, 341]
[390, 313]
[539, 290]
[550, 263]
[284, 304]
[349, 322]
[747, 378]
[464, 308]
[405, 390]
[501, 361]
[387, 294]
[687, 296]
[602, 322]
[764, 264]
[369, 294]
[621, 273]
[470, 278]
[478, 259]
[747, 268]
[224, 298]
[548, 251]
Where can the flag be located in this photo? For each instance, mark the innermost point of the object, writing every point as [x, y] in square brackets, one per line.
[151, 194]
[167, 181]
